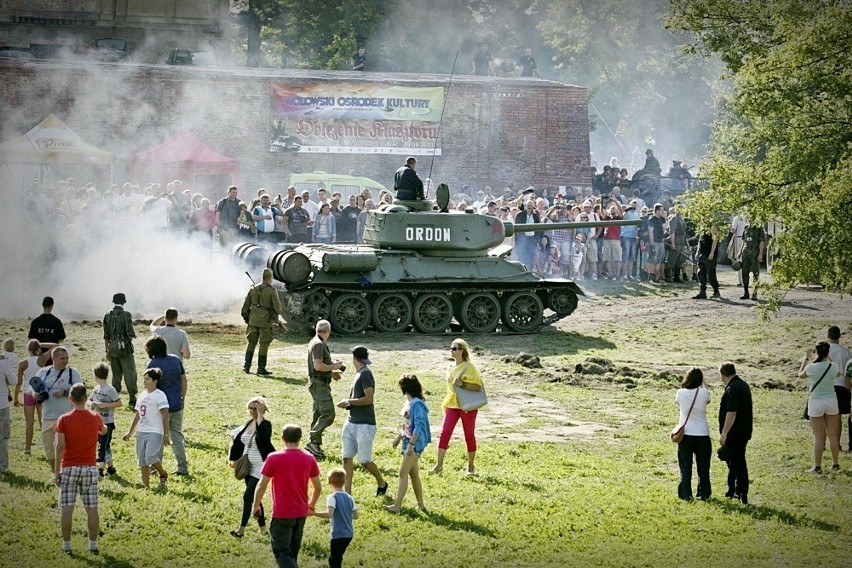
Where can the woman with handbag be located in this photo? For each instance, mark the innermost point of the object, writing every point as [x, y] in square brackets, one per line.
[255, 442]
[463, 377]
[823, 411]
[692, 397]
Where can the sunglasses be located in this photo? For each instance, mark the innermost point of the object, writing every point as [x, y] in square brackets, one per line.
[454, 348]
[252, 408]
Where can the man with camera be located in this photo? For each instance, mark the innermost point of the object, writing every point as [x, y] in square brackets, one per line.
[321, 371]
[359, 431]
[52, 386]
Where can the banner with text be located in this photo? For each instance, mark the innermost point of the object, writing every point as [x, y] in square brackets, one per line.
[356, 119]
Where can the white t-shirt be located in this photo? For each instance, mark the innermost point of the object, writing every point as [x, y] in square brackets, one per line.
[8, 380]
[697, 423]
[148, 405]
[311, 207]
[840, 355]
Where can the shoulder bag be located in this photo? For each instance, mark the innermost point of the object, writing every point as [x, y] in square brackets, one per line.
[242, 467]
[677, 433]
[805, 414]
[468, 399]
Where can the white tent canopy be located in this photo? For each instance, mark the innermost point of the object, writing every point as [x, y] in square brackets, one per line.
[52, 142]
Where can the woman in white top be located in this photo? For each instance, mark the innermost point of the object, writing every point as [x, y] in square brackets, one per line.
[696, 435]
[27, 369]
[823, 409]
[254, 439]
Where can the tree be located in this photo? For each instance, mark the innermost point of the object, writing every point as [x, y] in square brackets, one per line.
[644, 87]
[781, 146]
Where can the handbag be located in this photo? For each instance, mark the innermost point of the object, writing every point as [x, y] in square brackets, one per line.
[677, 433]
[242, 467]
[470, 400]
[805, 414]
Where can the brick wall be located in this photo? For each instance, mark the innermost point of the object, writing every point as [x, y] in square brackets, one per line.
[494, 130]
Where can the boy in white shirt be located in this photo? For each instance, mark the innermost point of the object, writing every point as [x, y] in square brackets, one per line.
[153, 427]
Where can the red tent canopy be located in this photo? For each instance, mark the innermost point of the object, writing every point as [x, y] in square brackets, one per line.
[184, 157]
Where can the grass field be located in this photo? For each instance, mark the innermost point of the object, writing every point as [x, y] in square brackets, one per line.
[579, 471]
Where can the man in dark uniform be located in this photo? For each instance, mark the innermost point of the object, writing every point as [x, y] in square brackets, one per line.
[118, 343]
[679, 176]
[359, 60]
[735, 429]
[528, 64]
[754, 245]
[406, 183]
[260, 311]
[707, 244]
[483, 63]
[652, 164]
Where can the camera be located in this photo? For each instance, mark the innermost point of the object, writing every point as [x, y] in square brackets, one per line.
[41, 396]
[342, 369]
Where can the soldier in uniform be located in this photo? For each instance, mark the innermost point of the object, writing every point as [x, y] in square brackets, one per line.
[260, 311]
[118, 343]
[754, 245]
[676, 246]
[707, 244]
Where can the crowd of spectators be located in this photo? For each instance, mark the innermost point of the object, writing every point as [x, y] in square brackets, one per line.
[590, 253]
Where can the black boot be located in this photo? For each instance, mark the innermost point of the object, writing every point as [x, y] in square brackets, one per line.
[247, 366]
[261, 365]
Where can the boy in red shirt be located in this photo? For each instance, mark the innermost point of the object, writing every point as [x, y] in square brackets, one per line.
[76, 465]
[290, 470]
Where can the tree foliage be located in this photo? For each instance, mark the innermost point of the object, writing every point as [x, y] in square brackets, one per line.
[643, 84]
[781, 146]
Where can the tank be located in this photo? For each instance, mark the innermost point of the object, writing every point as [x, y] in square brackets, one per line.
[421, 267]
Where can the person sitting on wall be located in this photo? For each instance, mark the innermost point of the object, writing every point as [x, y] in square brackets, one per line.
[407, 184]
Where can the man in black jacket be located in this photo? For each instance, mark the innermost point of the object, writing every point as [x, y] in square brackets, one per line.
[407, 184]
[735, 427]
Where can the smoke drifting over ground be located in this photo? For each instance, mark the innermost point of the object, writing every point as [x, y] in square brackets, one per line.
[153, 268]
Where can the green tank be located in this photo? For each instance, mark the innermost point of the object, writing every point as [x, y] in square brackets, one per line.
[420, 267]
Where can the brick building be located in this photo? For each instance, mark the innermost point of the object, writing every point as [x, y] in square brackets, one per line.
[69, 28]
[494, 130]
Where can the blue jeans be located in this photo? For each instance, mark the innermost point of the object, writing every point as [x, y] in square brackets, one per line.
[286, 537]
[105, 445]
[700, 447]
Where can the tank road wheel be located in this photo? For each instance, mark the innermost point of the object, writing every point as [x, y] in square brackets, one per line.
[315, 307]
[350, 313]
[562, 301]
[523, 312]
[392, 313]
[480, 313]
[432, 313]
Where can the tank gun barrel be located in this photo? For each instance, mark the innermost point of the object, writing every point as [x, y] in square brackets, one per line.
[512, 228]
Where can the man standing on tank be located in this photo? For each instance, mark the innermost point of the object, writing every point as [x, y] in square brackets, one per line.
[260, 312]
[406, 183]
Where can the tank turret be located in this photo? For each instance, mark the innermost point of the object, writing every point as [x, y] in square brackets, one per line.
[434, 233]
[421, 267]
